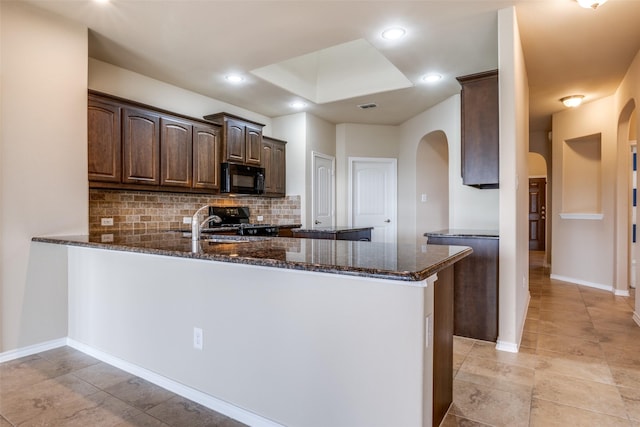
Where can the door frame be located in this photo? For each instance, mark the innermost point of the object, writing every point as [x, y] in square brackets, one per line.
[544, 213]
[315, 155]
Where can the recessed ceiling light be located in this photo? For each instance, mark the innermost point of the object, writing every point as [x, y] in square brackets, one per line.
[591, 4]
[234, 78]
[431, 78]
[572, 101]
[101, 1]
[298, 104]
[393, 33]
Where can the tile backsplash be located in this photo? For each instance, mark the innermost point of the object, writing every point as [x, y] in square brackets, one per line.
[146, 210]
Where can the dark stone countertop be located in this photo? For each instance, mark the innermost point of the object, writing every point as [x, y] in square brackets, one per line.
[333, 229]
[365, 259]
[462, 233]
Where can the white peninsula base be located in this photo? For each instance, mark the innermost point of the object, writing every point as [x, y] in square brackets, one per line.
[283, 346]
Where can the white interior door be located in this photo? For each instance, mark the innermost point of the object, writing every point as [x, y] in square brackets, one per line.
[373, 196]
[323, 190]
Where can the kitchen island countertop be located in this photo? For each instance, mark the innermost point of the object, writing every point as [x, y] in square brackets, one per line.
[401, 262]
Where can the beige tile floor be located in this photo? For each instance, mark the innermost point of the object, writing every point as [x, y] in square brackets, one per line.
[64, 387]
[579, 365]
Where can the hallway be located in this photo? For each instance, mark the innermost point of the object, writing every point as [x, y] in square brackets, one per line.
[578, 365]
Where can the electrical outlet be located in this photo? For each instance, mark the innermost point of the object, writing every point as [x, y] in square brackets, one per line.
[106, 238]
[423, 198]
[106, 222]
[428, 330]
[186, 220]
[198, 338]
[260, 218]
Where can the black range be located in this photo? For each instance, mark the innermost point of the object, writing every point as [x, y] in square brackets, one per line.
[238, 217]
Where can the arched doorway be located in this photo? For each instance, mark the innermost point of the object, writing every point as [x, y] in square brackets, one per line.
[432, 183]
[627, 135]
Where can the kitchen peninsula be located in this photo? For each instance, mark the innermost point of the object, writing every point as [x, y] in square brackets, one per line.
[294, 331]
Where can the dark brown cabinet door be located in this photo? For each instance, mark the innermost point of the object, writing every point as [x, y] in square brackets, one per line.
[537, 214]
[175, 153]
[274, 164]
[206, 157]
[443, 331]
[267, 155]
[253, 146]
[235, 141]
[141, 144]
[279, 168]
[104, 141]
[480, 129]
[475, 287]
[241, 139]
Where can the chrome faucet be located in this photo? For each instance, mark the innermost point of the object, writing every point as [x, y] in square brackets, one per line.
[196, 225]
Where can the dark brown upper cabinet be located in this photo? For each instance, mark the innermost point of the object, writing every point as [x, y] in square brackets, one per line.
[480, 143]
[104, 136]
[175, 152]
[241, 139]
[141, 144]
[274, 164]
[134, 146]
[207, 144]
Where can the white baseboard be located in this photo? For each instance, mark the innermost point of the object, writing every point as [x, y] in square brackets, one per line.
[31, 349]
[197, 396]
[511, 347]
[617, 292]
[636, 317]
[582, 282]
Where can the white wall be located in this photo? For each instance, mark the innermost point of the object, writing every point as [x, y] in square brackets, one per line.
[292, 128]
[469, 208]
[626, 97]
[117, 81]
[432, 181]
[321, 137]
[357, 140]
[583, 249]
[537, 165]
[514, 183]
[43, 154]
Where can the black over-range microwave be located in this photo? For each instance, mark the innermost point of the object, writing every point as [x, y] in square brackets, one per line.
[241, 179]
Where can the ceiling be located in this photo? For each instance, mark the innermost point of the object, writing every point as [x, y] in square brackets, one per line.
[194, 44]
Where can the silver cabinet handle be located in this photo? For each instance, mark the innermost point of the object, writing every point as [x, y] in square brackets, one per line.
[317, 222]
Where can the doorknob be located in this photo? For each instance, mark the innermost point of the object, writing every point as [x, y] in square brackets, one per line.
[387, 220]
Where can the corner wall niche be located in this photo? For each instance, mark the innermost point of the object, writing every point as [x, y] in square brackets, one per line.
[582, 178]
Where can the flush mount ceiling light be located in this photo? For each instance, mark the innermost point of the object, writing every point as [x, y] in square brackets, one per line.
[234, 78]
[298, 105]
[591, 4]
[572, 101]
[431, 78]
[393, 33]
[367, 106]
